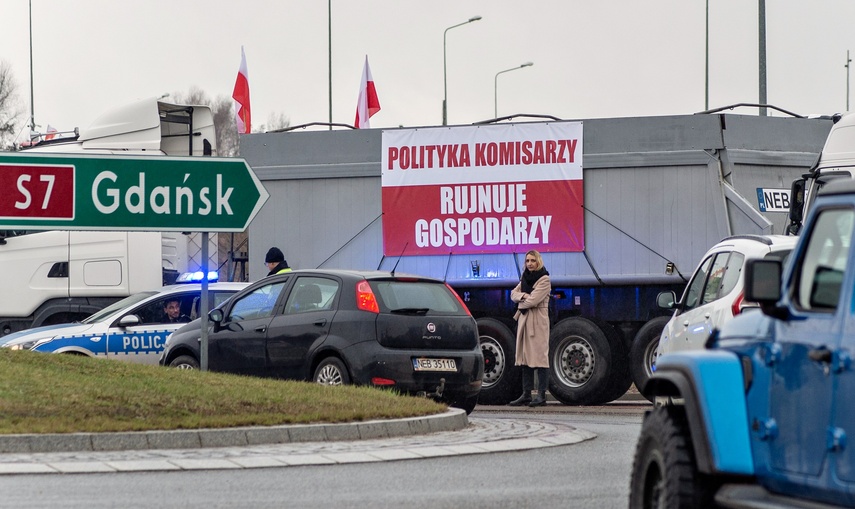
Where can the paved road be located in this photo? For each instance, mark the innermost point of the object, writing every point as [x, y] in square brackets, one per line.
[519, 430]
[592, 473]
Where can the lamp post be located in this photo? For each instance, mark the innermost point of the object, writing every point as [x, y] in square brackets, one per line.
[329, 53]
[496, 86]
[848, 61]
[444, 80]
[32, 106]
[761, 11]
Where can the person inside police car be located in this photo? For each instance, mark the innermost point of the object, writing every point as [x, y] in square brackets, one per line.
[275, 261]
[532, 315]
[172, 312]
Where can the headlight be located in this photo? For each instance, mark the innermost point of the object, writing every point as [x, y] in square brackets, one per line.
[22, 346]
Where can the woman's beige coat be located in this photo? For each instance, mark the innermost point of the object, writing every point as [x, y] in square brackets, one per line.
[533, 327]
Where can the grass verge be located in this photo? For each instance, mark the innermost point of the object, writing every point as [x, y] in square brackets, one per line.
[44, 393]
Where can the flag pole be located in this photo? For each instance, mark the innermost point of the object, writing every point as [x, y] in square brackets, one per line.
[329, 46]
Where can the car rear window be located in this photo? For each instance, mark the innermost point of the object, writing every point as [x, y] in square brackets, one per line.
[416, 297]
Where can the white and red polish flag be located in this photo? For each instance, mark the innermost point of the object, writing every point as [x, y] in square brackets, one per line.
[241, 97]
[368, 103]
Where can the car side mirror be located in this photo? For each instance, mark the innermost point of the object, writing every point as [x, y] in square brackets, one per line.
[129, 321]
[666, 300]
[216, 316]
[797, 200]
[763, 286]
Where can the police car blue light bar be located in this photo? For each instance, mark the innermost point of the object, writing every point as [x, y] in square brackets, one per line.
[196, 277]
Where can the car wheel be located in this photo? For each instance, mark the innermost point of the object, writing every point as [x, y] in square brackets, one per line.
[184, 362]
[332, 371]
[586, 364]
[467, 404]
[502, 380]
[642, 356]
[664, 472]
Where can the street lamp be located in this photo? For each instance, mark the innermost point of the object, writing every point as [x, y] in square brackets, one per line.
[444, 81]
[496, 83]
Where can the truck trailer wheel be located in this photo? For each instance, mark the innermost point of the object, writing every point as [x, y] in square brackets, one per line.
[587, 365]
[642, 356]
[620, 379]
[502, 381]
[664, 471]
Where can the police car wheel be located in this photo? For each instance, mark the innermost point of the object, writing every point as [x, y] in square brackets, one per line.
[184, 362]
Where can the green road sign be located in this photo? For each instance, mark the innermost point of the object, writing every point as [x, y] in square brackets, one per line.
[113, 192]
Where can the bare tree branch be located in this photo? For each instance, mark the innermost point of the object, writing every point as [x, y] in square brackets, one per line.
[10, 106]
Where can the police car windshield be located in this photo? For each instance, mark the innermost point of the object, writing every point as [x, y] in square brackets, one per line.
[100, 316]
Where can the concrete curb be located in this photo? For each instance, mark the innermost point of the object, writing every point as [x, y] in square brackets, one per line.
[453, 420]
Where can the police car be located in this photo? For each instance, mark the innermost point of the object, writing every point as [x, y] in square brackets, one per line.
[133, 329]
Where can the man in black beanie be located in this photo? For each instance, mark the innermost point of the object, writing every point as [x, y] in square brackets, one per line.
[275, 261]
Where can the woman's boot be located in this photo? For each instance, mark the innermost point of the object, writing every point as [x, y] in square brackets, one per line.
[527, 383]
[542, 385]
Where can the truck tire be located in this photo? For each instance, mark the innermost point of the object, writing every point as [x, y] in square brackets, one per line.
[586, 365]
[502, 381]
[621, 378]
[664, 471]
[642, 355]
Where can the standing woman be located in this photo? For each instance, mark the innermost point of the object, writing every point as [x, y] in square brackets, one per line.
[532, 316]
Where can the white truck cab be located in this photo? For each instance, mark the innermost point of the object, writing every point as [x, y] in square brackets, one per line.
[62, 276]
[837, 160]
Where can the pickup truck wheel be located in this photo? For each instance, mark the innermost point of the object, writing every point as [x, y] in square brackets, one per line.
[587, 365]
[664, 471]
[502, 381]
[642, 356]
[184, 362]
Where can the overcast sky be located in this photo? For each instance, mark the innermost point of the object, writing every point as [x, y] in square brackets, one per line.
[592, 58]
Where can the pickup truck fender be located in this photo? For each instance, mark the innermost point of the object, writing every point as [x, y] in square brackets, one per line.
[709, 385]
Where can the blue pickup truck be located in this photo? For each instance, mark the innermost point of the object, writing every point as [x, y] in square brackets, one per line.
[761, 418]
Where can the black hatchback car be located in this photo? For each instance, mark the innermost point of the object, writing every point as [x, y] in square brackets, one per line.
[410, 333]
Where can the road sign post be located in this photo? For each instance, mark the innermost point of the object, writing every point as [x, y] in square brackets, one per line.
[124, 193]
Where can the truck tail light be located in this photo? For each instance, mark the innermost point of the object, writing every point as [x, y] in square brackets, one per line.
[365, 299]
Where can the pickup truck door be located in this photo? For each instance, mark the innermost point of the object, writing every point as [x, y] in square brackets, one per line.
[801, 358]
[842, 428]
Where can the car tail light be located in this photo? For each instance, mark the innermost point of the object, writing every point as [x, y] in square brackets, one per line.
[736, 307]
[459, 299]
[365, 299]
[381, 381]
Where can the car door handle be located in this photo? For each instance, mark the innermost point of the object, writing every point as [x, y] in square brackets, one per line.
[821, 354]
[321, 322]
[261, 329]
[686, 323]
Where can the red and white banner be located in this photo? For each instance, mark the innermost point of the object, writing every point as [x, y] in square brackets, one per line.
[483, 189]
